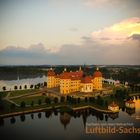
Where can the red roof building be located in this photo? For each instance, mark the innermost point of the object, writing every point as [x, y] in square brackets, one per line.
[130, 104]
[86, 79]
[75, 81]
[65, 75]
[51, 72]
[97, 74]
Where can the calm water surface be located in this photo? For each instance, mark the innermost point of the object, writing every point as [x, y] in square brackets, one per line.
[55, 125]
[25, 81]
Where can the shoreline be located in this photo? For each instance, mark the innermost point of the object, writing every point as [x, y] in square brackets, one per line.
[54, 107]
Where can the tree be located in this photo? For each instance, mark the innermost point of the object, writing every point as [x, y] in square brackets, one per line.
[73, 100]
[92, 99]
[41, 84]
[111, 96]
[15, 87]
[25, 86]
[106, 103]
[32, 103]
[68, 98]
[1, 102]
[39, 102]
[62, 99]
[47, 100]
[121, 94]
[101, 102]
[45, 84]
[4, 88]
[13, 106]
[36, 87]
[78, 100]
[86, 99]
[20, 87]
[55, 100]
[98, 99]
[22, 104]
[31, 86]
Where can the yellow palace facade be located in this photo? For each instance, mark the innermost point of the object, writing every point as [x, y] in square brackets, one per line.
[69, 82]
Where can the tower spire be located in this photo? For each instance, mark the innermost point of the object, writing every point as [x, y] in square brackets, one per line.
[65, 69]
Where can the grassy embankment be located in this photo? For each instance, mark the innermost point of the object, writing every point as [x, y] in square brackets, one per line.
[32, 102]
[22, 92]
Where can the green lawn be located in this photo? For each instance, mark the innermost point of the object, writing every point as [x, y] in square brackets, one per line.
[28, 100]
[3, 94]
[7, 108]
[22, 92]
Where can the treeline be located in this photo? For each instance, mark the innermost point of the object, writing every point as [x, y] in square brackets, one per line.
[11, 73]
[123, 74]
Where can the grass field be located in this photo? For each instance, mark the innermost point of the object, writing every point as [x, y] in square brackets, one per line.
[22, 92]
[28, 100]
[38, 101]
[3, 94]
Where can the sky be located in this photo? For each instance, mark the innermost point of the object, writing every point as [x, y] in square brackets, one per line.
[55, 32]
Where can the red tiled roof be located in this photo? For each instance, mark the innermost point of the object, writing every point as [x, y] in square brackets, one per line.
[65, 75]
[75, 78]
[51, 73]
[76, 74]
[113, 105]
[86, 79]
[130, 102]
[57, 76]
[97, 74]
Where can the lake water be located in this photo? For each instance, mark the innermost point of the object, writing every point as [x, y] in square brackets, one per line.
[53, 125]
[9, 84]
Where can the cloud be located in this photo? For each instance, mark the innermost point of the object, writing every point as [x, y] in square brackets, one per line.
[35, 54]
[135, 37]
[118, 32]
[116, 44]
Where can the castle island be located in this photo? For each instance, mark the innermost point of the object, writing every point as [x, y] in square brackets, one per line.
[74, 81]
[70, 90]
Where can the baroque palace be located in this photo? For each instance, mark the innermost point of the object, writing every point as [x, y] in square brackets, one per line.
[74, 81]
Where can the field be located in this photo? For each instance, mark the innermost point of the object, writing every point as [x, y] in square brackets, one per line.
[22, 92]
[29, 100]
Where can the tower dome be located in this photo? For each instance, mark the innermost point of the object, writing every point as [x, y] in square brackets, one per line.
[97, 73]
[65, 75]
[51, 72]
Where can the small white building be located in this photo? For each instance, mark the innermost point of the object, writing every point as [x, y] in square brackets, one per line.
[130, 104]
[113, 107]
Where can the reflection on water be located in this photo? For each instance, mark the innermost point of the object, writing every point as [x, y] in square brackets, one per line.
[57, 124]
